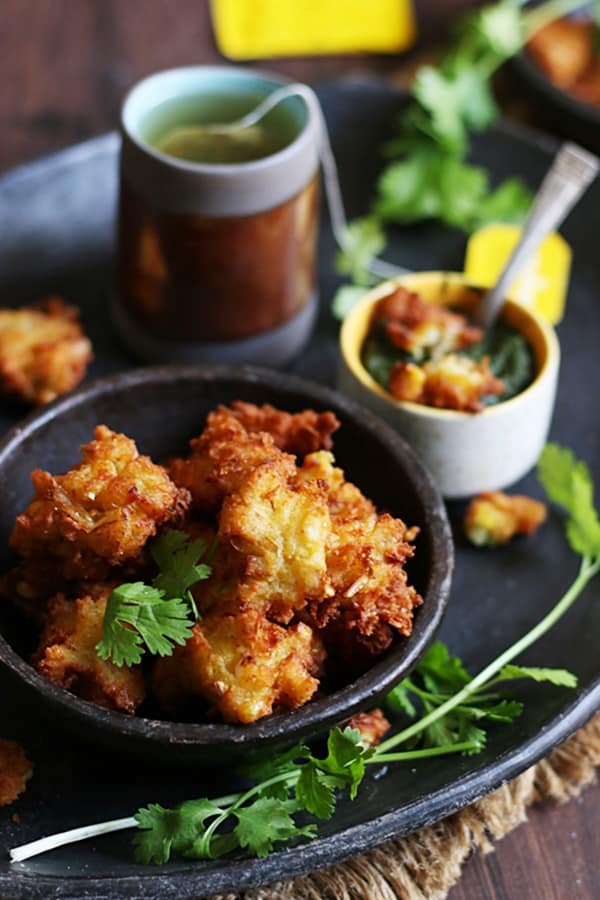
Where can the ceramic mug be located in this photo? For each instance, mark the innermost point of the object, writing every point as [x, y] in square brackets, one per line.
[215, 261]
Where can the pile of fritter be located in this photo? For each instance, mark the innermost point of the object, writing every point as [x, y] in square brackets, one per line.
[308, 580]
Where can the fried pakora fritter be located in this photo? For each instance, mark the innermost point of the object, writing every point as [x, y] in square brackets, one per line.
[244, 665]
[371, 597]
[372, 726]
[67, 654]
[299, 433]
[281, 529]
[493, 517]
[564, 49]
[43, 351]
[15, 771]
[222, 457]
[418, 327]
[101, 512]
[451, 382]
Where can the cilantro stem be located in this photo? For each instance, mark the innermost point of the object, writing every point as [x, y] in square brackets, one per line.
[241, 799]
[587, 570]
[546, 13]
[403, 756]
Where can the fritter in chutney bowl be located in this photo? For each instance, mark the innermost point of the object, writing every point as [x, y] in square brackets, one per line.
[475, 407]
[215, 562]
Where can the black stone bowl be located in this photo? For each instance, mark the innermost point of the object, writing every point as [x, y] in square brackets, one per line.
[562, 112]
[162, 408]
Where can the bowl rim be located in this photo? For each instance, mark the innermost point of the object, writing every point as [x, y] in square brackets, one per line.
[317, 714]
[352, 357]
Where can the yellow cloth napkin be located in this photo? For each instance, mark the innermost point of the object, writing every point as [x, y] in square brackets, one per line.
[250, 29]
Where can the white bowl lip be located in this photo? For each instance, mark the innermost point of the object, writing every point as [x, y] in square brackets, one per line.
[550, 365]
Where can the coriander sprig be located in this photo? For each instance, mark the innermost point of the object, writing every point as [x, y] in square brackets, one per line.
[455, 708]
[155, 617]
[428, 176]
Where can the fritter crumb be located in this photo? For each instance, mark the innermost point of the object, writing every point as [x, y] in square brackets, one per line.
[494, 518]
[372, 726]
[101, 512]
[15, 771]
[244, 665]
[43, 351]
[67, 654]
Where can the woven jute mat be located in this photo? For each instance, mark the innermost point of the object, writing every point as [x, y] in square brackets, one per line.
[425, 865]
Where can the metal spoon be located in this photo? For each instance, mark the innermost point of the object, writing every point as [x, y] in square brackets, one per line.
[571, 173]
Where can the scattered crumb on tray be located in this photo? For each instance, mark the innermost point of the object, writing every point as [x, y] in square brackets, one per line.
[15, 771]
[493, 518]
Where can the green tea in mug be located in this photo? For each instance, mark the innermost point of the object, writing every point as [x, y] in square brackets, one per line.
[177, 127]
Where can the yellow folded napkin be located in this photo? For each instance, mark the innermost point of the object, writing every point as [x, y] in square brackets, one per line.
[250, 29]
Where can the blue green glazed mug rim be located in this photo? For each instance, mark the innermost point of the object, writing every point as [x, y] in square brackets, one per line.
[214, 189]
[160, 87]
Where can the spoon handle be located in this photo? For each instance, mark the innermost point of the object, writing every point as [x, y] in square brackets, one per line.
[571, 173]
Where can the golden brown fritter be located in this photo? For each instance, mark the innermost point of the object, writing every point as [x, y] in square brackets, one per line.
[67, 654]
[365, 563]
[451, 382]
[221, 458]
[418, 327]
[299, 433]
[588, 86]
[372, 726]
[244, 666]
[15, 771]
[564, 49]
[101, 513]
[281, 529]
[494, 518]
[43, 351]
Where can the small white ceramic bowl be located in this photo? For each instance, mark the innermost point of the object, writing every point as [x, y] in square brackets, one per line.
[465, 452]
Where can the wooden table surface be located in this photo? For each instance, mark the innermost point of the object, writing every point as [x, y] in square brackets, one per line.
[64, 67]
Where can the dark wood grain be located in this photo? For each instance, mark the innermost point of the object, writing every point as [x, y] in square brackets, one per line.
[64, 67]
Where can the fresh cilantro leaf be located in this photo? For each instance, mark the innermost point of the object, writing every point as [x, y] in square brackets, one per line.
[399, 698]
[510, 202]
[504, 711]
[286, 761]
[162, 832]
[346, 297]
[432, 185]
[137, 615]
[346, 756]
[267, 821]
[499, 29]
[442, 672]
[176, 555]
[407, 191]
[556, 466]
[560, 677]
[567, 481]
[363, 241]
[315, 791]
[456, 100]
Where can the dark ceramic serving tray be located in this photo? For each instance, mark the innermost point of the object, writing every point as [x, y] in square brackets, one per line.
[56, 235]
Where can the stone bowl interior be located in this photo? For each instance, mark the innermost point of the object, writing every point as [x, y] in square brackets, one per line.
[162, 408]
